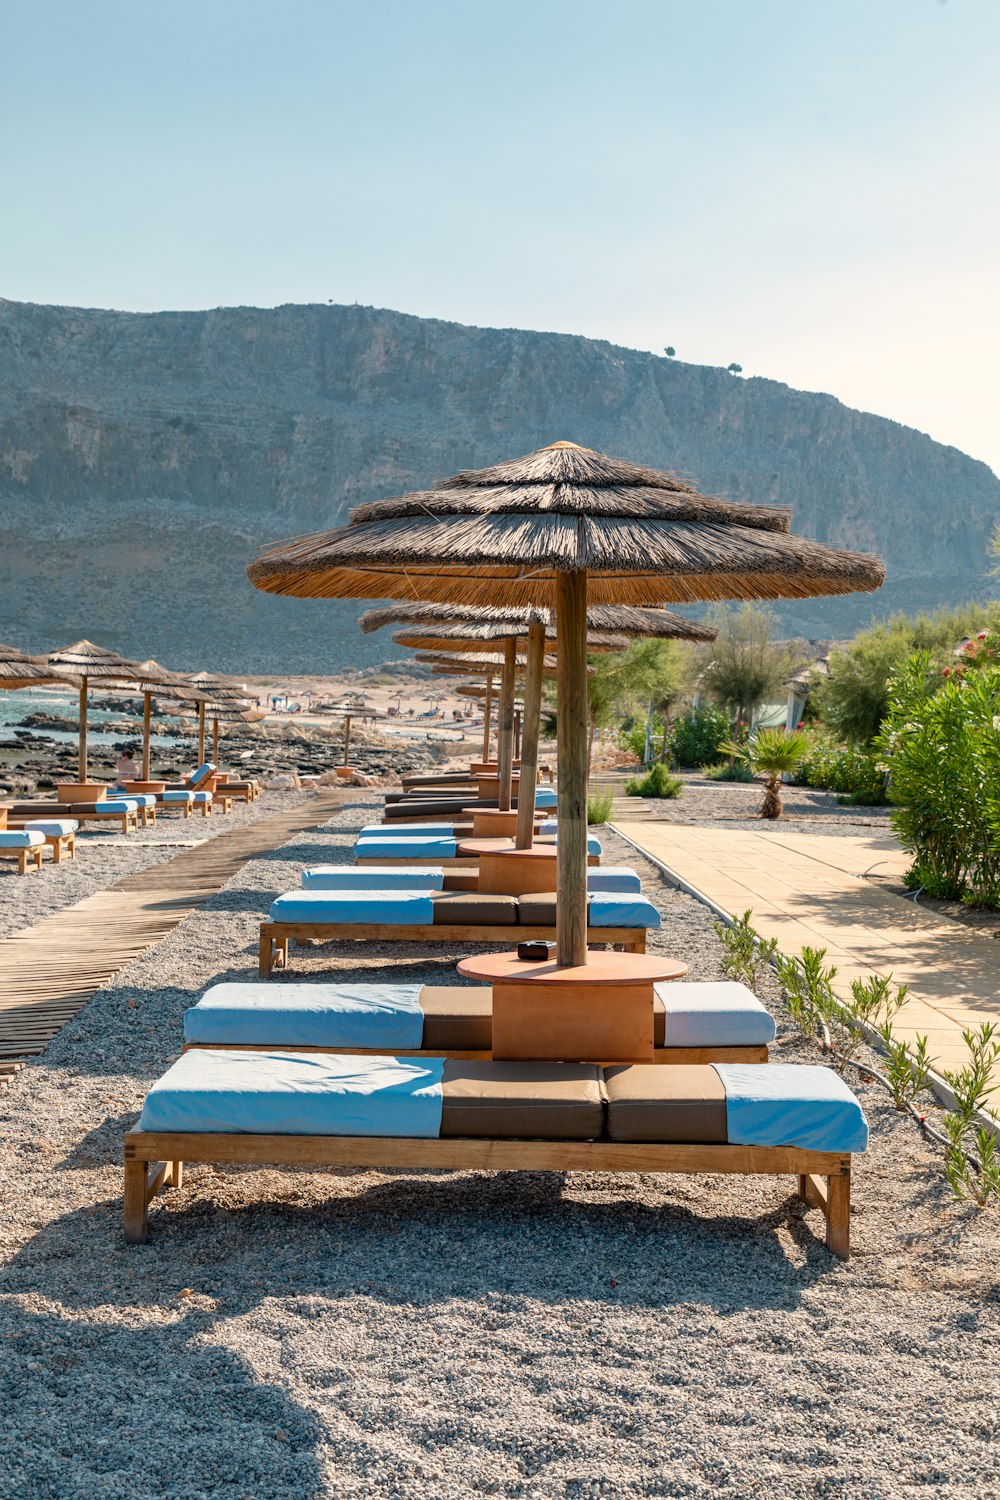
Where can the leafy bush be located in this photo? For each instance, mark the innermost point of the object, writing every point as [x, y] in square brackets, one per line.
[657, 782]
[738, 770]
[632, 736]
[856, 772]
[599, 807]
[942, 742]
[745, 954]
[697, 736]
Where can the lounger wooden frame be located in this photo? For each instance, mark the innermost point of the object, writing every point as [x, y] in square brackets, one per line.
[155, 1160]
[29, 858]
[275, 936]
[670, 1056]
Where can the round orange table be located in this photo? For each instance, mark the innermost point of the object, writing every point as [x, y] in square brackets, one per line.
[601, 1011]
[490, 822]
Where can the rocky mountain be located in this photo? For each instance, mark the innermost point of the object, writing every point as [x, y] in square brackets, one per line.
[144, 458]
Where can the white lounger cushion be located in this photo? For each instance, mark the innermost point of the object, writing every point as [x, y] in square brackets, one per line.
[350, 878]
[719, 1013]
[286, 1093]
[53, 827]
[382, 1017]
[21, 838]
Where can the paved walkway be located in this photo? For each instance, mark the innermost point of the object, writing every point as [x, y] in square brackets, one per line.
[806, 890]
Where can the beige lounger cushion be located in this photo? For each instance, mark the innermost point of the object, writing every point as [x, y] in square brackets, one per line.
[522, 1101]
[537, 909]
[649, 1103]
[457, 1018]
[470, 909]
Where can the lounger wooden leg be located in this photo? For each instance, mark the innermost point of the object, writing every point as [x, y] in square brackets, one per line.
[838, 1215]
[57, 851]
[71, 845]
[174, 1175]
[264, 956]
[136, 1202]
[281, 954]
[38, 856]
[22, 861]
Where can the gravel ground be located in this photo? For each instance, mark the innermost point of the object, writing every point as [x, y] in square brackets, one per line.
[103, 858]
[450, 1335]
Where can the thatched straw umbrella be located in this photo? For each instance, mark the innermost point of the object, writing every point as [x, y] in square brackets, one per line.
[536, 627]
[89, 663]
[20, 671]
[204, 688]
[566, 528]
[225, 713]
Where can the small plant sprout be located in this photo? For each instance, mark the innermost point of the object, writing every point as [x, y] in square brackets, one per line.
[808, 988]
[908, 1072]
[745, 954]
[599, 807]
[873, 1004]
[972, 1162]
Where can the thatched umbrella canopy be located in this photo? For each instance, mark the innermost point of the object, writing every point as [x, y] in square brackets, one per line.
[468, 627]
[205, 688]
[20, 671]
[565, 528]
[89, 663]
[226, 713]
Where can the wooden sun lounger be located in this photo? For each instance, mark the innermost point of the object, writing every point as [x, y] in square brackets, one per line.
[155, 1161]
[27, 859]
[275, 936]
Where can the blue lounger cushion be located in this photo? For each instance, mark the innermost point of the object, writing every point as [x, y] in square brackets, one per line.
[791, 1104]
[406, 830]
[141, 799]
[380, 908]
[200, 797]
[116, 805]
[287, 1093]
[716, 1013]
[177, 796]
[609, 909]
[54, 827]
[383, 1017]
[350, 878]
[203, 770]
[20, 838]
[545, 796]
[614, 878]
[427, 848]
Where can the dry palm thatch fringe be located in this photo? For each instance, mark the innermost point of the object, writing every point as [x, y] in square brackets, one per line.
[622, 619]
[458, 638]
[20, 671]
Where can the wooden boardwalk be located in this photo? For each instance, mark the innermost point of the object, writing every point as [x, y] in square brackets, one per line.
[50, 971]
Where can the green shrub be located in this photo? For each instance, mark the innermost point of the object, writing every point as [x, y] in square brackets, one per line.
[724, 771]
[657, 782]
[697, 735]
[941, 740]
[859, 774]
[599, 807]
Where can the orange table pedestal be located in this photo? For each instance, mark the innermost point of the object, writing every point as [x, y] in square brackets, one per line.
[601, 1012]
[515, 872]
[490, 822]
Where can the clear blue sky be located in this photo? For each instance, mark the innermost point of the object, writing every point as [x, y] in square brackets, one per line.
[809, 187]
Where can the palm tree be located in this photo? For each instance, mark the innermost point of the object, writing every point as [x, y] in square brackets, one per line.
[773, 753]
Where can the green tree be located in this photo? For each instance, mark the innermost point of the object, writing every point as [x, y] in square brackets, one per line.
[650, 674]
[773, 753]
[746, 665]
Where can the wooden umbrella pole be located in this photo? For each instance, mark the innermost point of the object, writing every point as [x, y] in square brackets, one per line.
[517, 734]
[530, 722]
[215, 741]
[571, 854]
[83, 731]
[505, 726]
[347, 739]
[201, 732]
[486, 717]
[147, 714]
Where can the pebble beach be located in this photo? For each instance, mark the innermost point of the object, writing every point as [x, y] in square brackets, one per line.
[377, 1334]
